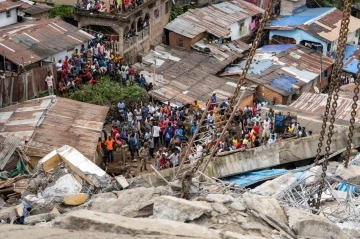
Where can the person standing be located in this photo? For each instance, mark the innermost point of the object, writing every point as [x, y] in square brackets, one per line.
[50, 83]
[151, 146]
[144, 156]
[132, 146]
[66, 64]
[110, 148]
[156, 134]
[168, 134]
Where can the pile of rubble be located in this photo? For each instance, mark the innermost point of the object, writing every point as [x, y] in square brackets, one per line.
[69, 194]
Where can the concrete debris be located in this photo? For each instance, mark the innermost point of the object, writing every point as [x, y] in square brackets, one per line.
[238, 205]
[122, 181]
[220, 198]
[11, 213]
[177, 209]
[312, 175]
[136, 202]
[220, 208]
[105, 222]
[313, 226]
[30, 232]
[350, 174]
[64, 186]
[46, 217]
[350, 228]
[266, 206]
[276, 186]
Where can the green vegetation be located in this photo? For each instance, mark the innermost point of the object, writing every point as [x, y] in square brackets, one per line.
[178, 10]
[108, 92]
[61, 11]
[328, 3]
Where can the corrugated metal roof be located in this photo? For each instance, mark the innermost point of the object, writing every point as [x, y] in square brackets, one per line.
[36, 9]
[214, 19]
[33, 41]
[7, 5]
[316, 103]
[323, 23]
[42, 125]
[276, 61]
[189, 76]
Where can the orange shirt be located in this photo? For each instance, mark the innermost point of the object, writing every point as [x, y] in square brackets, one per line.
[109, 144]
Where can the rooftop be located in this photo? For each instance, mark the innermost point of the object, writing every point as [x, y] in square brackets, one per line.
[323, 23]
[182, 75]
[42, 125]
[29, 42]
[8, 5]
[214, 19]
[282, 68]
[35, 9]
[309, 109]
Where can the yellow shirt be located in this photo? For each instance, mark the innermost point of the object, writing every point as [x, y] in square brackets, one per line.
[234, 142]
[291, 130]
[245, 141]
[196, 106]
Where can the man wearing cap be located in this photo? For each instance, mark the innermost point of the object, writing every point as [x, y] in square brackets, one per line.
[144, 155]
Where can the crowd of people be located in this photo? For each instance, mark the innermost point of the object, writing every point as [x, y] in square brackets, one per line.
[99, 6]
[160, 133]
[88, 64]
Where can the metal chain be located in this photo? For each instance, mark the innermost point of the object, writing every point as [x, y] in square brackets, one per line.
[353, 114]
[344, 29]
[266, 18]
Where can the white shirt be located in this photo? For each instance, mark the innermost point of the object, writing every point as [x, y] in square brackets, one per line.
[271, 141]
[351, 80]
[256, 119]
[199, 150]
[266, 125]
[151, 109]
[174, 159]
[59, 66]
[49, 81]
[156, 131]
[130, 116]
[192, 158]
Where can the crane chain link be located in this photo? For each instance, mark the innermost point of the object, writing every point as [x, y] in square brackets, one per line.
[344, 29]
[186, 180]
[353, 114]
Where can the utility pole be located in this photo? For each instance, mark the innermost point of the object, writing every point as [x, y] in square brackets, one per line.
[321, 71]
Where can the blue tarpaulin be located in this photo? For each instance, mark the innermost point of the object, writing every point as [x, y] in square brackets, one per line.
[351, 66]
[284, 83]
[253, 177]
[275, 48]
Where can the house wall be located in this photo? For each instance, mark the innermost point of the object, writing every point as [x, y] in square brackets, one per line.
[5, 21]
[61, 55]
[248, 100]
[16, 88]
[299, 36]
[157, 24]
[187, 42]
[236, 32]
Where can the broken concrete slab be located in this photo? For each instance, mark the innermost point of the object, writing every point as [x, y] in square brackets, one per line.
[232, 235]
[122, 181]
[136, 202]
[267, 206]
[111, 223]
[238, 205]
[11, 213]
[310, 225]
[45, 217]
[75, 200]
[350, 174]
[178, 209]
[64, 186]
[220, 208]
[219, 198]
[350, 228]
[31, 232]
[276, 186]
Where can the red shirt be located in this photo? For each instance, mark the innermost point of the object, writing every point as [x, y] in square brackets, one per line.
[256, 129]
[239, 145]
[162, 126]
[66, 65]
[114, 132]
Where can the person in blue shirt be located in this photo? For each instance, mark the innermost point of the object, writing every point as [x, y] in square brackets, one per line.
[168, 134]
[142, 81]
[279, 121]
[193, 129]
[223, 107]
[179, 133]
[121, 107]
